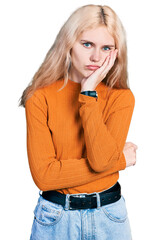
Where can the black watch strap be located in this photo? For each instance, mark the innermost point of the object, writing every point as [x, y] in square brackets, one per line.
[90, 93]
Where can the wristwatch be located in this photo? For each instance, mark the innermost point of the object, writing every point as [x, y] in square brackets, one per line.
[90, 93]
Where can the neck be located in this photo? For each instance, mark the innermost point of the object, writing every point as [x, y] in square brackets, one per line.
[74, 76]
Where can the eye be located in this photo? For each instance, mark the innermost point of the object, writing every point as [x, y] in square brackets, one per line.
[106, 48]
[87, 44]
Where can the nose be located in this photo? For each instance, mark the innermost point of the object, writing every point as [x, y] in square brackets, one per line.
[95, 55]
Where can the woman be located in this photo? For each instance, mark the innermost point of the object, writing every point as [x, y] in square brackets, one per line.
[78, 111]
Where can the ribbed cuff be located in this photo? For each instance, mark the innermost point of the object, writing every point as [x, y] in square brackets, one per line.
[122, 162]
[84, 99]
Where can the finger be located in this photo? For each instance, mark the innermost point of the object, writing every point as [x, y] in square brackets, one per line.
[109, 64]
[112, 58]
[116, 53]
[104, 65]
[135, 146]
[106, 62]
[130, 144]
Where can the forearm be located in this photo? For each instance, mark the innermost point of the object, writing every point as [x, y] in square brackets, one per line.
[54, 174]
[48, 172]
[104, 141]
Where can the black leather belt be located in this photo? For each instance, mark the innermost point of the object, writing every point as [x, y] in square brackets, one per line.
[85, 201]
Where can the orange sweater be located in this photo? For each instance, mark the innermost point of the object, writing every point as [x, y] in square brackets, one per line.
[75, 142]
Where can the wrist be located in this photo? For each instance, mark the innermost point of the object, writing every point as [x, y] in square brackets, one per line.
[87, 89]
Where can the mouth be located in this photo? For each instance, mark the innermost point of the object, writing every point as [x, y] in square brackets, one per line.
[92, 67]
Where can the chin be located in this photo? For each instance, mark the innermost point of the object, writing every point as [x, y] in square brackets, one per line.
[88, 74]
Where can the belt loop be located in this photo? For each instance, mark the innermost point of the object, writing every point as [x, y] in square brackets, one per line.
[67, 202]
[98, 200]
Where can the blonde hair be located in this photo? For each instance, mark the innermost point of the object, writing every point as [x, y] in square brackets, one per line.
[57, 62]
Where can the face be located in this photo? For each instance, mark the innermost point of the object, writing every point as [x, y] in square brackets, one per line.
[89, 52]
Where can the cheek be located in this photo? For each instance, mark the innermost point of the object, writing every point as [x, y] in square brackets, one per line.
[104, 56]
[77, 58]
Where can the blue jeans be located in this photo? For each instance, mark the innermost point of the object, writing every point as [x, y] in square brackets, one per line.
[54, 222]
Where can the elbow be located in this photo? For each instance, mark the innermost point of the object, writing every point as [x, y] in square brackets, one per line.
[40, 184]
[43, 177]
[39, 181]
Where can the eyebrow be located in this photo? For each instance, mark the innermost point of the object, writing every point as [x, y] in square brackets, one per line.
[109, 45]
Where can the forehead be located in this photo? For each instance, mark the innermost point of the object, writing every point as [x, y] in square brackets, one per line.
[98, 35]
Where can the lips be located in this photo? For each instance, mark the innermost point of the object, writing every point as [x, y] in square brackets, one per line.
[92, 67]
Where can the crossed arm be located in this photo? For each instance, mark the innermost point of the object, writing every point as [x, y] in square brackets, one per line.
[104, 142]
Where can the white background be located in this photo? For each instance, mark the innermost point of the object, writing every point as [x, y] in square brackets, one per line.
[28, 29]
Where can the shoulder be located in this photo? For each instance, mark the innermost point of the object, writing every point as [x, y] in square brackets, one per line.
[121, 99]
[118, 98]
[122, 95]
[36, 98]
[115, 95]
[41, 96]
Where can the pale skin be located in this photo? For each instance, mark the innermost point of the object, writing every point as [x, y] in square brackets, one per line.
[92, 56]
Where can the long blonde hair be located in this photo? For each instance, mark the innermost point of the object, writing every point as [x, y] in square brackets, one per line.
[57, 62]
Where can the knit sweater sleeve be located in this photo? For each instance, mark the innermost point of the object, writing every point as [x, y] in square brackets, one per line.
[48, 172]
[105, 139]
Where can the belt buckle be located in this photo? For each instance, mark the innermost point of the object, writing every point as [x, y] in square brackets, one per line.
[81, 196]
[76, 196]
[68, 200]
